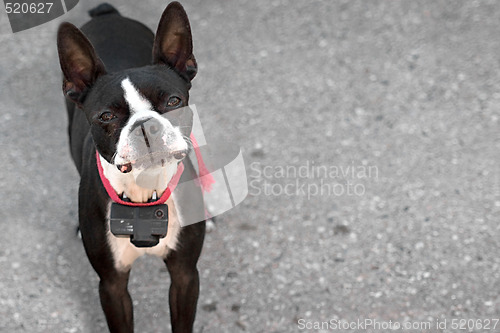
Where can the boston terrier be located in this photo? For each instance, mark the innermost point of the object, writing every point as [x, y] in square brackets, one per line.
[127, 93]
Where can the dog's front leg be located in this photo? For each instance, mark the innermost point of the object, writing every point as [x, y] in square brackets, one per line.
[115, 299]
[185, 283]
[184, 290]
[116, 302]
[113, 292]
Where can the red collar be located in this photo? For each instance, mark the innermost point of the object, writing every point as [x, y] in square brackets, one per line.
[164, 197]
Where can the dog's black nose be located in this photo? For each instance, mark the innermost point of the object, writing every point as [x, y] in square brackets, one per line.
[146, 127]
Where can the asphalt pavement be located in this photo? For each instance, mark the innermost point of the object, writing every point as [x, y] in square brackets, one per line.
[371, 137]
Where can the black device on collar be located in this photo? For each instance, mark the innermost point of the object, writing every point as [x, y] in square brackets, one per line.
[145, 225]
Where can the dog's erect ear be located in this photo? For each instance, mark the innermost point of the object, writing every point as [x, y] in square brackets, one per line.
[79, 62]
[173, 44]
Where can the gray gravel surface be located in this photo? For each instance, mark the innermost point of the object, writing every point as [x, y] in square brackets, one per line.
[405, 94]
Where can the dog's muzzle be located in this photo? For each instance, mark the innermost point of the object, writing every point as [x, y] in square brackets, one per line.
[151, 143]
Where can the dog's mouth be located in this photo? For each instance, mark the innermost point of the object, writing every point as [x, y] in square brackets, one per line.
[125, 168]
[158, 159]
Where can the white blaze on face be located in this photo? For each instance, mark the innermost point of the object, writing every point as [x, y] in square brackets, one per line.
[131, 147]
[136, 102]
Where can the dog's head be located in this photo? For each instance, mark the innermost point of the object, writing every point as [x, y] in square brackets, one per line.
[138, 117]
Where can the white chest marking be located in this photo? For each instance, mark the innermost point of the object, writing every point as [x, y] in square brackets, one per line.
[125, 253]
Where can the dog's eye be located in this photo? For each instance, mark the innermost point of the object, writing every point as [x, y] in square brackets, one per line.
[106, 116]
[173, 101]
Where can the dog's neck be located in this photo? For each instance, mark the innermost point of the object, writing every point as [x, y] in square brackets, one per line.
[127, 183]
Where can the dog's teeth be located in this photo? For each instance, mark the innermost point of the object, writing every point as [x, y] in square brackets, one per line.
[124, 196]
[154, 196]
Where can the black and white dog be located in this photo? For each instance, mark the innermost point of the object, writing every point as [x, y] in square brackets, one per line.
[121, 83]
